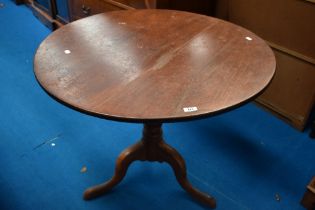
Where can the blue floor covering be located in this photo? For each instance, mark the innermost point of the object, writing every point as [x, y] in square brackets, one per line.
[246, 158]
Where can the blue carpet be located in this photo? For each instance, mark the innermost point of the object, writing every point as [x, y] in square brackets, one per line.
[245, 158]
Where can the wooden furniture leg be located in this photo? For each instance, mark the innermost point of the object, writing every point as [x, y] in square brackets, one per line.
[151, 148]
[308, 200]
[124, 160]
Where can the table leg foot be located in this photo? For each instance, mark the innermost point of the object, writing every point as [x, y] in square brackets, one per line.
[172, 157]
[124, 160]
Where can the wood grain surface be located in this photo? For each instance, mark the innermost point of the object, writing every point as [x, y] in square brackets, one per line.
[148, 65]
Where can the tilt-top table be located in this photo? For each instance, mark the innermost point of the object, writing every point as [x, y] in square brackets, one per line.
[151, 67]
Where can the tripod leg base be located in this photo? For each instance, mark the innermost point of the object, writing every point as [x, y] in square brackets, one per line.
[151, 148]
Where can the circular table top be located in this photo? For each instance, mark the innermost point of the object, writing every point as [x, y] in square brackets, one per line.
[153, 65]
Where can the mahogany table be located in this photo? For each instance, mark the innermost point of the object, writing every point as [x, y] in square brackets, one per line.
[152, 67]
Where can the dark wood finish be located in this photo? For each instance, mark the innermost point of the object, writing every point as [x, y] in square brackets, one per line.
[147, 66]
[129, 66]
[151, 148]
[46, 15]
[196, 6]
[292, 91]
[53, 9]
[290, 31]
[292, 26]
[84, 8]
[42, 14]
[308, 200]
[150, 4]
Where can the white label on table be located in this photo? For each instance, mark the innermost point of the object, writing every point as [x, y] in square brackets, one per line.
[67, 52]
[190, 109]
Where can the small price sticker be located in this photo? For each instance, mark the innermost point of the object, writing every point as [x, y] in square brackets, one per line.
[190, 109]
